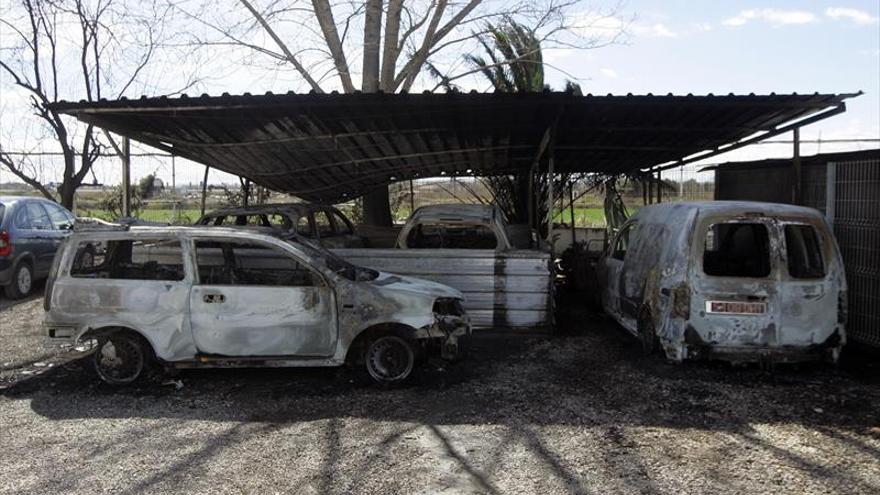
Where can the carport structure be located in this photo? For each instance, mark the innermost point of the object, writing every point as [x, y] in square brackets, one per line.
[334, 147]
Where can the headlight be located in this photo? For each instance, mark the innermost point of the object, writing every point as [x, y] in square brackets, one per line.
[448, 306]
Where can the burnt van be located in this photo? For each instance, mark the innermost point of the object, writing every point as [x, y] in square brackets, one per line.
[737, 281]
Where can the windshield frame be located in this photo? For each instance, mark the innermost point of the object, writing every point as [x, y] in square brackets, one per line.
[332, 261]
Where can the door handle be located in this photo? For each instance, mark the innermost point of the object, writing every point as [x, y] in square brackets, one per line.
[213, 298]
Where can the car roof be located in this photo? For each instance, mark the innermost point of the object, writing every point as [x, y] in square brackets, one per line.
[120, 231]
[456, 212]
[298, 208]
[12, 199]
[677, 210]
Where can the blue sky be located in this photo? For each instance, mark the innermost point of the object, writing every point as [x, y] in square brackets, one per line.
[742, 47]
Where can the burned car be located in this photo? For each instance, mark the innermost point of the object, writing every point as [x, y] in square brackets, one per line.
[186, 297]
[324, 224]
[738, 281]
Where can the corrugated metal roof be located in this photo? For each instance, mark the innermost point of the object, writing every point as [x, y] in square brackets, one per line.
[330, 147]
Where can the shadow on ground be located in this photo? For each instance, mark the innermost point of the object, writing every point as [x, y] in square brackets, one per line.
[590, 373]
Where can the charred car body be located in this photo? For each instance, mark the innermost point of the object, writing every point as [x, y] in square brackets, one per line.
[216, 297]
[323, 223]
[738, 281]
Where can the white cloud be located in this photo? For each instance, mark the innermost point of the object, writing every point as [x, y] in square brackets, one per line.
[608, 73]
[594, 26]
[856, 16]
[656, 30]
[701, 26]
[773, 16]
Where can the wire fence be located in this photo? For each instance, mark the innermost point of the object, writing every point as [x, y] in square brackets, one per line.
[174, 194]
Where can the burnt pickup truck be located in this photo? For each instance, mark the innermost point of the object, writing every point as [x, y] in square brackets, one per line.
[471, 248]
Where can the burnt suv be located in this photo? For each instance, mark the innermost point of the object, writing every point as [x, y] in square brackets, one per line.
[31, 229]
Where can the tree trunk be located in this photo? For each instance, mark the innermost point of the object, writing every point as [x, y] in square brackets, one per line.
[377, 210]
[66, 192]
[372, 33]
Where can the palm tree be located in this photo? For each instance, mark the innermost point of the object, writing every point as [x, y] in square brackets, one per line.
[513, 63]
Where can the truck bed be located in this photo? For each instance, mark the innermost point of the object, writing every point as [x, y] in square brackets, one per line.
[502, 289]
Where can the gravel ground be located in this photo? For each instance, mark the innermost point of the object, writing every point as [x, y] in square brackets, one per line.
[581, 412]
[23, 348]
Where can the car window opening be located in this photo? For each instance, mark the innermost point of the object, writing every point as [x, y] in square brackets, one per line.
[803, 252]
[146, 259]
[445, 236]
[737, 250]
[233, 263]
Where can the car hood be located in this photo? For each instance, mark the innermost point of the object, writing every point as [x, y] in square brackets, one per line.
[417, 286]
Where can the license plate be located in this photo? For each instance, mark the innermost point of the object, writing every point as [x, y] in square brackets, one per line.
[736, 307]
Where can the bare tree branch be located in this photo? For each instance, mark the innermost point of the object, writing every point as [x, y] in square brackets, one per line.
[325, 18]
[288, 55]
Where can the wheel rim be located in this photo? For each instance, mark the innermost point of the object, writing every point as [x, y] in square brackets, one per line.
[24, 280]
[119, 360]
[389, 359]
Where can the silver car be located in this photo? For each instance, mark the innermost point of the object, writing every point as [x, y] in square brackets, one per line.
[187, 297]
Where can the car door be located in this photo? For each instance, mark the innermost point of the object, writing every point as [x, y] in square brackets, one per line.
[344, 231]
[253, 298]
[613, 270]
[41, 237]
[61, 221]
[326, 230]
[809, 296]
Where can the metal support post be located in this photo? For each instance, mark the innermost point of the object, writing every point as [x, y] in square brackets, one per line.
[797, 166]
[126, 177]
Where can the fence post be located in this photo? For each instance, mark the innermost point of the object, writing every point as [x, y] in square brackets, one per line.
[830, 192]
[126, 177]
[205, 188]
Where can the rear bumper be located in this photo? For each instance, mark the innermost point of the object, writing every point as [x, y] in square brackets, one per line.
[828, 351]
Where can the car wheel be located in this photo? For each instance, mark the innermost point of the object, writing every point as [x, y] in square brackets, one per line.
[22, 282]
[120, 358]
[389, 359]
[647, 332]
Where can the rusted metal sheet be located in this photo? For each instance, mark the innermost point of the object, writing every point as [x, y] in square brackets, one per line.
[333, 147]
[502, 289]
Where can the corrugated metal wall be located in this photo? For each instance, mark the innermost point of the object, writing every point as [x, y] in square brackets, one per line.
[502, 289]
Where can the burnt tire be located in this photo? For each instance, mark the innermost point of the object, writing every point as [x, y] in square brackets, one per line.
[22, 281]
[647, 333]
[389, 359]
[121, 358]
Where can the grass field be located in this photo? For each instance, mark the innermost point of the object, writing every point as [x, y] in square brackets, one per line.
[182, 216]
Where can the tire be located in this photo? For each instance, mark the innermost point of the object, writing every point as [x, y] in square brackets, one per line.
[22, 282]
[389, 359]
[647, 333]
[121, 358]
